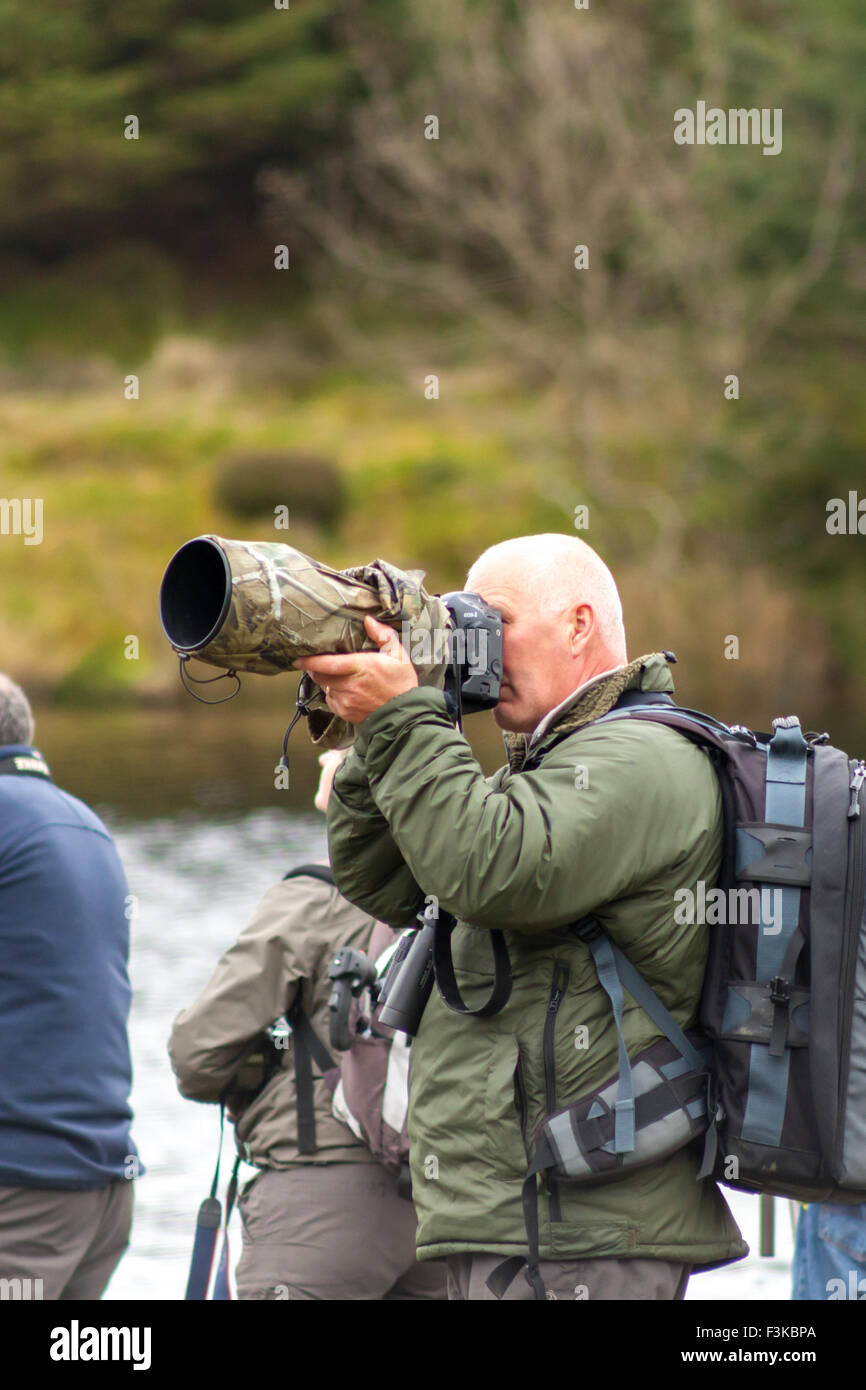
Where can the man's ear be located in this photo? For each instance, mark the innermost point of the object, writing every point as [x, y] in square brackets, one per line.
[582, 627]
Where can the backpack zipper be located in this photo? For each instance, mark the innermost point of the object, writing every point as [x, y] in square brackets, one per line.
[854, 897]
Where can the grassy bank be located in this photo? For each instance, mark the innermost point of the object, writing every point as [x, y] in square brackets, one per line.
[425, 483]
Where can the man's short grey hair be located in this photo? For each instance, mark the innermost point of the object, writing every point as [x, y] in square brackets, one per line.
[16, 716]
[560, 570]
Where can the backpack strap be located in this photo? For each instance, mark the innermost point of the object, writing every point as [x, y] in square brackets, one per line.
[615, 970]
[602, 950]
[778, 950]
[630, 698]
[307, 1047]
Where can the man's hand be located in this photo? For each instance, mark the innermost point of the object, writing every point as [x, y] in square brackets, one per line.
[357, 683]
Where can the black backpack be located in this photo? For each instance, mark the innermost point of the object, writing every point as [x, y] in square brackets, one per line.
[774, 1084]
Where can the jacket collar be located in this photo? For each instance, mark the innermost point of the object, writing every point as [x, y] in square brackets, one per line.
[588, 703]
[553, 715]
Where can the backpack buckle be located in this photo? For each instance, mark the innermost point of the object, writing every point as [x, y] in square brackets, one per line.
[780, 990]
[587, 929]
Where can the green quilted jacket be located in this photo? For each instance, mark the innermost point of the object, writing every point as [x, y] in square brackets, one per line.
[610, 818]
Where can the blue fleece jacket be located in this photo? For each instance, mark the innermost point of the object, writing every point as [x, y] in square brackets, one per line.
[65, 1069]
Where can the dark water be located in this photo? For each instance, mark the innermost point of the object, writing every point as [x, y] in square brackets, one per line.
[189, 795]
[191, 761]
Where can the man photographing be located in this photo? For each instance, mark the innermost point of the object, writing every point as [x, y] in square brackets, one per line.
[608, 819]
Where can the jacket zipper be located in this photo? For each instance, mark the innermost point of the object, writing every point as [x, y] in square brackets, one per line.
[520, 1087]
[557, 994]
[854, 895]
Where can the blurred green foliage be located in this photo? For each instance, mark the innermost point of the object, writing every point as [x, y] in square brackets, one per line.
[250, 483]
[216, 88]
[155, 256]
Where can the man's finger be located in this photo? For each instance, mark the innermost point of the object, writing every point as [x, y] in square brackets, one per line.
[387, 638]
[340, 664]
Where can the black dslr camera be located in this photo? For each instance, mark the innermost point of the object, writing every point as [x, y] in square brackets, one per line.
[474, 672]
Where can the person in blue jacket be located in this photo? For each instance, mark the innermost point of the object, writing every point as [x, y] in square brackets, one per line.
[830, 1253]
[66, 1155]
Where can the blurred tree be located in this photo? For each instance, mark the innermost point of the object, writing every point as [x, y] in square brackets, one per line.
[557, 131]
[554, 221]
[217, 88]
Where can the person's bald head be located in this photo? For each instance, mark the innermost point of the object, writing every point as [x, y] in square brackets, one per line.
[16, 716]
[562, 620]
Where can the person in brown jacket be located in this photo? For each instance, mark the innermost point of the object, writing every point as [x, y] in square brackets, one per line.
[328, 1224]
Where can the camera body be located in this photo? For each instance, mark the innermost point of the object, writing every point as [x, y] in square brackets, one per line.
[474, 673]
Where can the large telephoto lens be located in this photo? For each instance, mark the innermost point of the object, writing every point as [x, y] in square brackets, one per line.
[195, 595]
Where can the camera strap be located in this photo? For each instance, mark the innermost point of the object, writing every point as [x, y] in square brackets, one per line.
[442, 958]
[446, 980]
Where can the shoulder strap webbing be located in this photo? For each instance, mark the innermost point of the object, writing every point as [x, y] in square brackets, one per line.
[629, 698]
[615, 970]
[307, 1047]
[785, 804]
